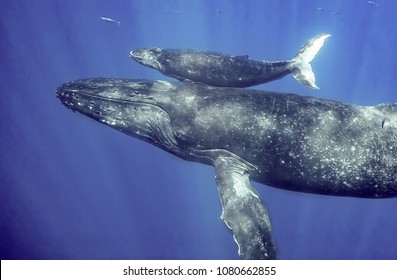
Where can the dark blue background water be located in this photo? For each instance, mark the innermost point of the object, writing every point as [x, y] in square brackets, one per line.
[74, 189]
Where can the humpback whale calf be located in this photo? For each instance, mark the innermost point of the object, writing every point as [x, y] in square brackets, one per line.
[216, 69]
[287, 141]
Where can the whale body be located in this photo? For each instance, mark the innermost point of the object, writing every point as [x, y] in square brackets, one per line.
[286, 141]
[217, 69]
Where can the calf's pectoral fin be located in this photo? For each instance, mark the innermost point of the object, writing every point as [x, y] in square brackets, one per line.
[242, 210]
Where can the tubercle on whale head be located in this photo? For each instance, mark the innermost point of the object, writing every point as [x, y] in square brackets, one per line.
[148, 57]
[127, 90]
[129, 106]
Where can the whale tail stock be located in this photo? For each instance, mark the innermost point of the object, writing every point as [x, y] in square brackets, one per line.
[300, 64]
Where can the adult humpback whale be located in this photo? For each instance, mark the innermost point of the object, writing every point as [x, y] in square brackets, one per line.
[216, 69]
[285, 141]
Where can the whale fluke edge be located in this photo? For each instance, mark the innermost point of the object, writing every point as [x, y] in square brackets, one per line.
[301, 68]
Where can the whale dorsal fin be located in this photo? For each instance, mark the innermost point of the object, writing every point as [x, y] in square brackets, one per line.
[242, 57]
[243, 210]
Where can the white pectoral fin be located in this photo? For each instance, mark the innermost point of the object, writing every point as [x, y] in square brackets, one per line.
[243, 210]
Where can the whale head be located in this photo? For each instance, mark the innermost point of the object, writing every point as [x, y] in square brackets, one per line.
[129, 106]
[148, 57]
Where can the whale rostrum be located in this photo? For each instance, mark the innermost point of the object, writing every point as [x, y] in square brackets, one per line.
[287, 141]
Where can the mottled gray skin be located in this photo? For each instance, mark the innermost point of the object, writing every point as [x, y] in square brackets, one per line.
[216, 69]
[286, 141]
[211, 68]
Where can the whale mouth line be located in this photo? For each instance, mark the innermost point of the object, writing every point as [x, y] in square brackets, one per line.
[134, 55]
[146, 59]
[71, 97]
[72, 94]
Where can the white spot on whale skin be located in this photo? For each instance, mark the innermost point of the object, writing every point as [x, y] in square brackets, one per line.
[161, 85]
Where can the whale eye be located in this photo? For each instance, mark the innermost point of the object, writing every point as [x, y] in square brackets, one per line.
[133, 93]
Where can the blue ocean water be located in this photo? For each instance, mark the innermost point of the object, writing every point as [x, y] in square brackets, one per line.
[71, 188]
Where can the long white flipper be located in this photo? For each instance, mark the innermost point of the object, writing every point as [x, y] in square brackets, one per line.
[243, 211]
